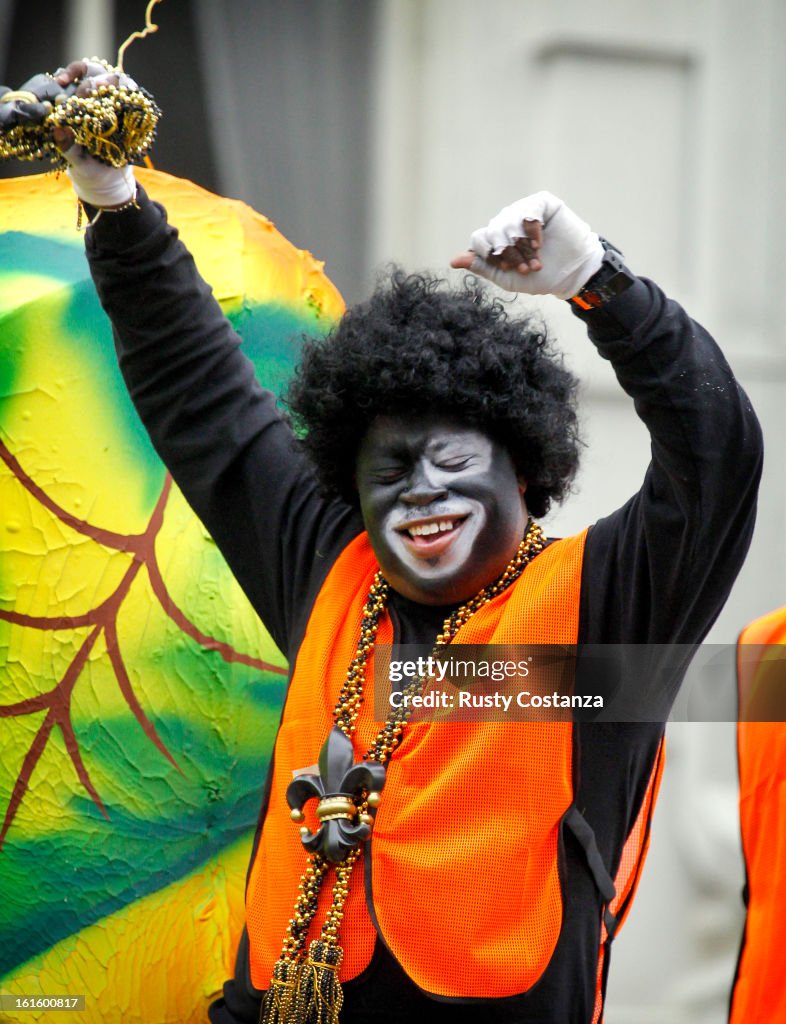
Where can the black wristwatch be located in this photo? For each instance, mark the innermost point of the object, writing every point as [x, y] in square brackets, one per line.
[611, 280]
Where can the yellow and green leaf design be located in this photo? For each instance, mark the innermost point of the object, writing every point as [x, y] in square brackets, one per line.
[139, 694]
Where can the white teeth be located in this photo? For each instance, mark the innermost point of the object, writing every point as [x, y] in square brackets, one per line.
[428, 528]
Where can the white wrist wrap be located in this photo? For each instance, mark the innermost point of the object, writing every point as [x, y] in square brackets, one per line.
[98, 184]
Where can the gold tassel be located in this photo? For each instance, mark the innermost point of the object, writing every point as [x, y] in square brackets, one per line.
[277, 1002]
[319, 997]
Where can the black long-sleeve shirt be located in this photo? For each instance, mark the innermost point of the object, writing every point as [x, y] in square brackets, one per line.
[656, 571]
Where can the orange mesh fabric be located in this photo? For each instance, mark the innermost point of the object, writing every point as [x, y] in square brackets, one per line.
[327, 649]
[637, 844]
[634, 853]
[759, 993]
[478, 907]
[464, 869]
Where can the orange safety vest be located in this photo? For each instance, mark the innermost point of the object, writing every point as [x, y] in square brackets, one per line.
[759, 993]
[464, 884]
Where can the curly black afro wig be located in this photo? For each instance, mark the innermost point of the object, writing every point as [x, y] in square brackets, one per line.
[419, 346]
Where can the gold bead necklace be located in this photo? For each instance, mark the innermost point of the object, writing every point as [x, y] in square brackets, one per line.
[304, 988]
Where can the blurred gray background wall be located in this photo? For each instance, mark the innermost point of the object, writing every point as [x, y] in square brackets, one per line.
[371, 130]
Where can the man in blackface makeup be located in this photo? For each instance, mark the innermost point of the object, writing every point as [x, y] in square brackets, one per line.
[437, 870]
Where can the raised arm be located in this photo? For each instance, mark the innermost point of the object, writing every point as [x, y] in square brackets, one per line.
[659, 569]
[215, 427]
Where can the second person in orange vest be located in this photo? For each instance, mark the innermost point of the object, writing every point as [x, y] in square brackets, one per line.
[759, 989]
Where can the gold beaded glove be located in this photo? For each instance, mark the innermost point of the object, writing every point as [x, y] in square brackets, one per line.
[111, 117]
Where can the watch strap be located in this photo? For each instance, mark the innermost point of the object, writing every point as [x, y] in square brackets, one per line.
[607, 283]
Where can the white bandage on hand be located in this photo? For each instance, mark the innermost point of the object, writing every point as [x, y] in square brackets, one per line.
[570, 253]
[98, 184]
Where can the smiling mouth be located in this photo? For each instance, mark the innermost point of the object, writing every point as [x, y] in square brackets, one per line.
[430, 529]
[429, 537]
